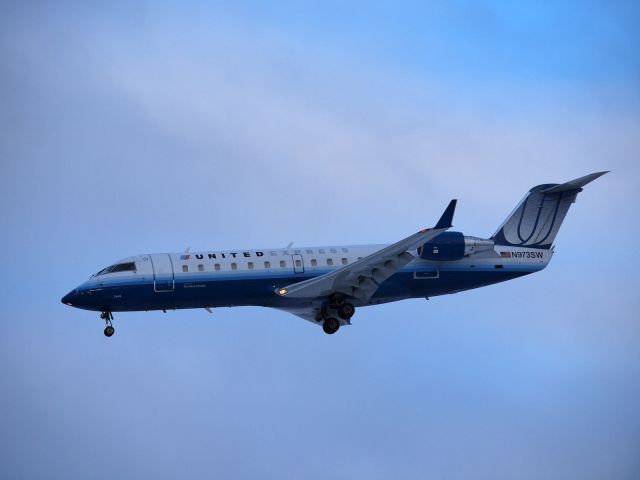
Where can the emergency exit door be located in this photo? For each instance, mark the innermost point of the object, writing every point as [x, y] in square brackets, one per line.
[298, 264]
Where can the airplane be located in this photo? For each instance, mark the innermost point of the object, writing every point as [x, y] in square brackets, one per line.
[325, 285]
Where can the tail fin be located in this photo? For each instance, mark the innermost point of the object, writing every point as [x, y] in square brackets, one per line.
[536, 220]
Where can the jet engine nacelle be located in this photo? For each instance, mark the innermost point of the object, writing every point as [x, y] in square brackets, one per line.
[450, 246]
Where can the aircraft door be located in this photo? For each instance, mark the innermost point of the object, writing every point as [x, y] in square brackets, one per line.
[163, 279]
[298, 264]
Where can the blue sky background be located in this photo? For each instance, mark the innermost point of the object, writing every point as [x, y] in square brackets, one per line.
[131, 128]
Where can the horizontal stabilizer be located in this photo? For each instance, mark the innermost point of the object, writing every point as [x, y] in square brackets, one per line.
[574, 184]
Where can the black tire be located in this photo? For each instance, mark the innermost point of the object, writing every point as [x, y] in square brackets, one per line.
[331, 325]
[346, 311]
[109, 330]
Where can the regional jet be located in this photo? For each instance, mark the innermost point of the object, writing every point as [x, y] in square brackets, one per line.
[325, 285]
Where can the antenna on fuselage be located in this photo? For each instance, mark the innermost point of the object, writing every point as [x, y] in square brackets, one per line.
[290, 245]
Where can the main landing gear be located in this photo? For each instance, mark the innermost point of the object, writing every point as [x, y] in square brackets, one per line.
[107, 317]
[344, 311]
[330, 325]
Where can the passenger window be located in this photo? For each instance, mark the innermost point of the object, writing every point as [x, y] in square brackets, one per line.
[200, 267]
[250, 265]
[234, 266]
[185, 268]
[359, 258]
[298, 263]
[321, 250]
[267, 264]
[273, 254]
[283, 264]
[344, 261]
[329, 261]
[345, 250]
[314, 262]
[309, 252]
[216, 267]
[333, 250]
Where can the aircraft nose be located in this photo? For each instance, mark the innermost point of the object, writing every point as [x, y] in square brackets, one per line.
[69, 297]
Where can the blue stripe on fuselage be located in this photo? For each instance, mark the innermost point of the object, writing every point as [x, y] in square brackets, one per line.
[224, 289]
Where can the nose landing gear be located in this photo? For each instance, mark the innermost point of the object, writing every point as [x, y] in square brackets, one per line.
[107, 317]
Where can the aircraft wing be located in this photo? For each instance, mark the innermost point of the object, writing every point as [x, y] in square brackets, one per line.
[362, 278]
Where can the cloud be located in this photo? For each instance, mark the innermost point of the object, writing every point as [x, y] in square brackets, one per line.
[242, 113]
[130, 130]
[283, 116]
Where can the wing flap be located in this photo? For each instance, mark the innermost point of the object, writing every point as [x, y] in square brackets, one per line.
[309, 314]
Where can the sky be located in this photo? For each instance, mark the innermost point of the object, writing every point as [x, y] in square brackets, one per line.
[130, 128]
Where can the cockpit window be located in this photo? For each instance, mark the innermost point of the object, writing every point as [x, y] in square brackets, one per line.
[118, 267]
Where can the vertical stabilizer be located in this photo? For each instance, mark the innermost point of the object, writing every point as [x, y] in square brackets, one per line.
[537, 218]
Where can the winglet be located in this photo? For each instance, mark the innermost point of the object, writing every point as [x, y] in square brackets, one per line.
[447, 216]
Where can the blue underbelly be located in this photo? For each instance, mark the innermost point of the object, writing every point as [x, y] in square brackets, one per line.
[198, 292]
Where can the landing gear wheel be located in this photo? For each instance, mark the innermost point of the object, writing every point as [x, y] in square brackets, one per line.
[330, 325]
[346, 311]
[107, 317]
